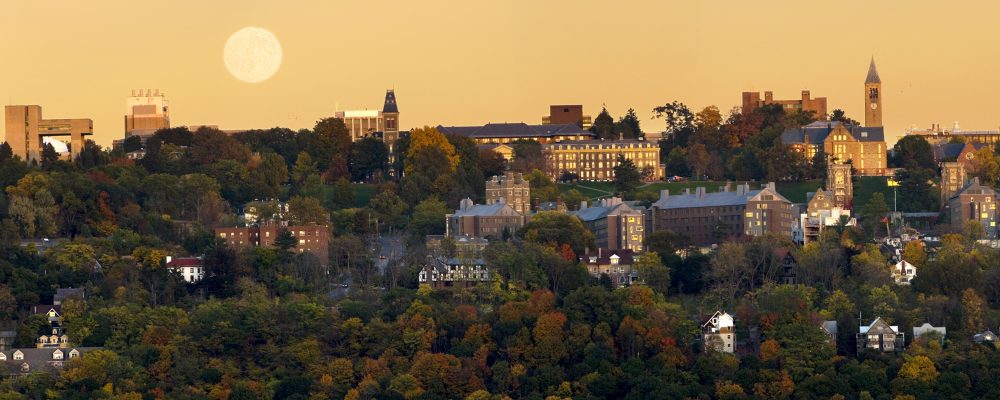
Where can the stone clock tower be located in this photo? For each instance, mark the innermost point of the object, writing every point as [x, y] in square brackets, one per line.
[873, 97]
[838, 182]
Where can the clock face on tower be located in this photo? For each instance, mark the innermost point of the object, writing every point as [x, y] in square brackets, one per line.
[874, 106]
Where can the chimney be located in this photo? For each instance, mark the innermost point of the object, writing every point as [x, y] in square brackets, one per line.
[664, 194]
[728, 186]
[687, 191]
[770, 185]
[583, 205]
[768, 96]
[168, 260]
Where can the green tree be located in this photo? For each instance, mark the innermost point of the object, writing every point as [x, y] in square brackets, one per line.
[627, 176]
[653, 272]
[872, 214]
[428, 219]
[307, 210]
[628, 125]
[369, 157]
[604, 125]
[913, 152]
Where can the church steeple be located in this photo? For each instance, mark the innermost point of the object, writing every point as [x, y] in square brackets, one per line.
[873, 97]
[872, 73]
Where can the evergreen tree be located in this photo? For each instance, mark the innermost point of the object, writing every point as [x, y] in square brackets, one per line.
[627, 176]
[604, 125]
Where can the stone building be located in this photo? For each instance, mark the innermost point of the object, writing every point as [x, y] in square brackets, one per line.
[952, 180]
[615, 224]
[863, 147]
[510, 188]
[822, 213]
[383, 124]
[146, 112]
[816, 106]
[310, 238]
[710, 218]
[25, 130]
[873, 97]
[486, 221]
[840, 183]
[595, 160]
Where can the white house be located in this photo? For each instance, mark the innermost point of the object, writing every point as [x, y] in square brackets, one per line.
[903, 272]
[719, 332]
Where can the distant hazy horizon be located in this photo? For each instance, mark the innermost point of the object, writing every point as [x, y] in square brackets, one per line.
[458, 63]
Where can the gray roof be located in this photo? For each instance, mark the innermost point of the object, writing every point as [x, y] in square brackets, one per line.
[830, 326]
[600, 211]
[974, 187]
[390, 102]
[947, 150]
[518, 129]
[928, 328]
[819, 130]
[63, 293]
[40, 360]
[717, 199]
[485, 210]
[872, 73]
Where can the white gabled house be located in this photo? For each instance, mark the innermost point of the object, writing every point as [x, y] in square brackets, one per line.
[719, 333]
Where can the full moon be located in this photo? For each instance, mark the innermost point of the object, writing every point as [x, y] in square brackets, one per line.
[252, 54]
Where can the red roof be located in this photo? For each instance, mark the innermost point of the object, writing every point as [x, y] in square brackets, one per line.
[185, 262]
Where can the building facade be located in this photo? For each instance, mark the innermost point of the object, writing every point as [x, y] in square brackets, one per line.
[974, 202]
[595, 160]
[709, 218]
[310, 238]
[903, 272]
[816, 106]
[719, 333]
[616, 264]
[440, 273]
[840, 184]
[615, 224]
[567, 114]
[383, 124]
[510, 188]
[484, 221]
[880, 336]
[191, 269]
[873, 97]
[25, 129]
[862, 147]
[146, 111]
[822, 213]
[512, 132]
[952, 180]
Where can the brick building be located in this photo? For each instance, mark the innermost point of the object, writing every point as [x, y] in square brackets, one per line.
[709, 218]
[487, 221]
[595, 160]
[510, 188]
[567, 114]
[863, 147]
[615, 225]
[817, 106]
[311, 238]
[974, 202]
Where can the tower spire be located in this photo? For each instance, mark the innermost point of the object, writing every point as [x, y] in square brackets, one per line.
[872, 73]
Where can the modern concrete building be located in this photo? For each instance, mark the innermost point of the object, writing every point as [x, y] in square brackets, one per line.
[567, 114]
[816, 106]
[25, 129]
[864, 147]
[974, 202]
[615, 225]
[512, 132]
[510, 188]
[710, 218]
[485, 221]
[595, 160]
[146, 111]
[311, 238]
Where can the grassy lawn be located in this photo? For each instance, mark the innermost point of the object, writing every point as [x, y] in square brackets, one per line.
[363, 193]
[795, 192]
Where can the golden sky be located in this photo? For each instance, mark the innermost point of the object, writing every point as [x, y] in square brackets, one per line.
[472, 62]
